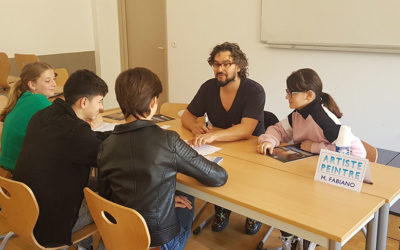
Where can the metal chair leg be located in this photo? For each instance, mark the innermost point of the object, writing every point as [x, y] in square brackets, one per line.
[197, 230]
[5, 240]
[266, 236]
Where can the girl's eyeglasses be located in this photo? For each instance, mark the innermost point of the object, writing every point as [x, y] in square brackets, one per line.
[291, 93]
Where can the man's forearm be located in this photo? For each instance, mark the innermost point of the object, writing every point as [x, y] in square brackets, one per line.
[235, 133]
[188, 120]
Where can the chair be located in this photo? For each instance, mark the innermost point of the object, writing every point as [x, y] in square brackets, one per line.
[19, 213]
[61, 76]
[269, 119]
[174, 110]
[4, 71]
[372, 153]
[22, 59]
[3, 103]
[120, 227]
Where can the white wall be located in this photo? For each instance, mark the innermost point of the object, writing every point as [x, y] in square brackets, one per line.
[45, 27]
[365, 85]
[107, 47]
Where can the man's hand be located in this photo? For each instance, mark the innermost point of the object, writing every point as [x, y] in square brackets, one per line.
[202, 139]
[199, 128]
[306, 145]
[263, 147]
[182, 202]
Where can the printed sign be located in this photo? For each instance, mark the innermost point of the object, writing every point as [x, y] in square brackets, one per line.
[341, 170]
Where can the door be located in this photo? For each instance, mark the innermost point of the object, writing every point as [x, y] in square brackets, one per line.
[146, 37]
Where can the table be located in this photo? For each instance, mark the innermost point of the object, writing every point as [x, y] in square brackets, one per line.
[319, 207]
[386, 179]
[325, 214]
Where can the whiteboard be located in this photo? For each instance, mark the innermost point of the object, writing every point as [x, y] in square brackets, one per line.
[341, 24]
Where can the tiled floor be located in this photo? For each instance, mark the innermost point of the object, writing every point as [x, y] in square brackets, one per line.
[388, 157]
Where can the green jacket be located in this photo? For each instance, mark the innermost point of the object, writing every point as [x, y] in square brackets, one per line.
[15, 125]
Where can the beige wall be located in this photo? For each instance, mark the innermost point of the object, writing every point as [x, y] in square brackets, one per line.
[365, 85]
[74, 34]
[107, 48]
[44, 27]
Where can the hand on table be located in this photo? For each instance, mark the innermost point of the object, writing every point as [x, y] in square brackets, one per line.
[264, 146]
[202, 139]
[182, 202]
[96, 122]
[200, 128]
[306, 145]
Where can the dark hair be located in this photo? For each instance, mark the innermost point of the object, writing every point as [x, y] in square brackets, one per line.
[239, 58]
[30, 72]
[134, 89]
[83, 83]
[307, 79]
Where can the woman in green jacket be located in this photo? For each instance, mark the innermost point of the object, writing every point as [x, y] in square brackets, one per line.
[28, 95]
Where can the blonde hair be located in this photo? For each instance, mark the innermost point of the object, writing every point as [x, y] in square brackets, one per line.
[30, 72]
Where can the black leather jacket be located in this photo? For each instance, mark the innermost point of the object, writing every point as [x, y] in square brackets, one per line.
[138, 164]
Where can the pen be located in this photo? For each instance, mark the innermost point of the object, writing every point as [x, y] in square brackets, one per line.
[206, 119]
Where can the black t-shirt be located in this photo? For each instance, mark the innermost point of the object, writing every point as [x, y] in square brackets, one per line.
[249, 102]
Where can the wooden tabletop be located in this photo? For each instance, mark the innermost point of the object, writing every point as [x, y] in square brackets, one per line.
[283, 192]
[326, 210]
[385, 179]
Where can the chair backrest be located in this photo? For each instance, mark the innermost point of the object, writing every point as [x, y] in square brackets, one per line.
[61, 76]
[173, 109]
[269, 119]
[372, 153]
[4, 70]
[22, 59]
[20, 209]
[3, 101]
[125, 229]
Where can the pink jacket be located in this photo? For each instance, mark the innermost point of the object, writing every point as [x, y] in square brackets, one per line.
[314, 122]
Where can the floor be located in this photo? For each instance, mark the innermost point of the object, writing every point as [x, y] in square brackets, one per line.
[233, 237]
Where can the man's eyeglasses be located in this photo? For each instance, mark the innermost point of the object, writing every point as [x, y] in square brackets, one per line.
[225, 65]
[291, 93]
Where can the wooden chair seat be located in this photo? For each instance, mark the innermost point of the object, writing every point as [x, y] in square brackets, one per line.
[4, 71]
[124, 229]
[22, 59]
[372, 153]
[19, 213]
[61, 76]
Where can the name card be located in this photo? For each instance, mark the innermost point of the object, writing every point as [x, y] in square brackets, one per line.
[341, 170]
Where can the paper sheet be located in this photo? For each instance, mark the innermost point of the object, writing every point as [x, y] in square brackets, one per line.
[105, 126]
[206, 149]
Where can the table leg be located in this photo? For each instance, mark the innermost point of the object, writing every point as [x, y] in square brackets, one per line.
[334, 245]
[383, 226]
[372, 232]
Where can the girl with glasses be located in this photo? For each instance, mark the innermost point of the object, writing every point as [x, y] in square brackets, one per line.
[314, 124]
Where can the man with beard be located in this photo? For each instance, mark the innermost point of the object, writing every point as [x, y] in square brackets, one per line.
[231, 101]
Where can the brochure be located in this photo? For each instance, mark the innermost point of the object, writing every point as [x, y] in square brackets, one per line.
[116, 116]
[156, 118]
[289, 153]
[216, 159]
[161, 118]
